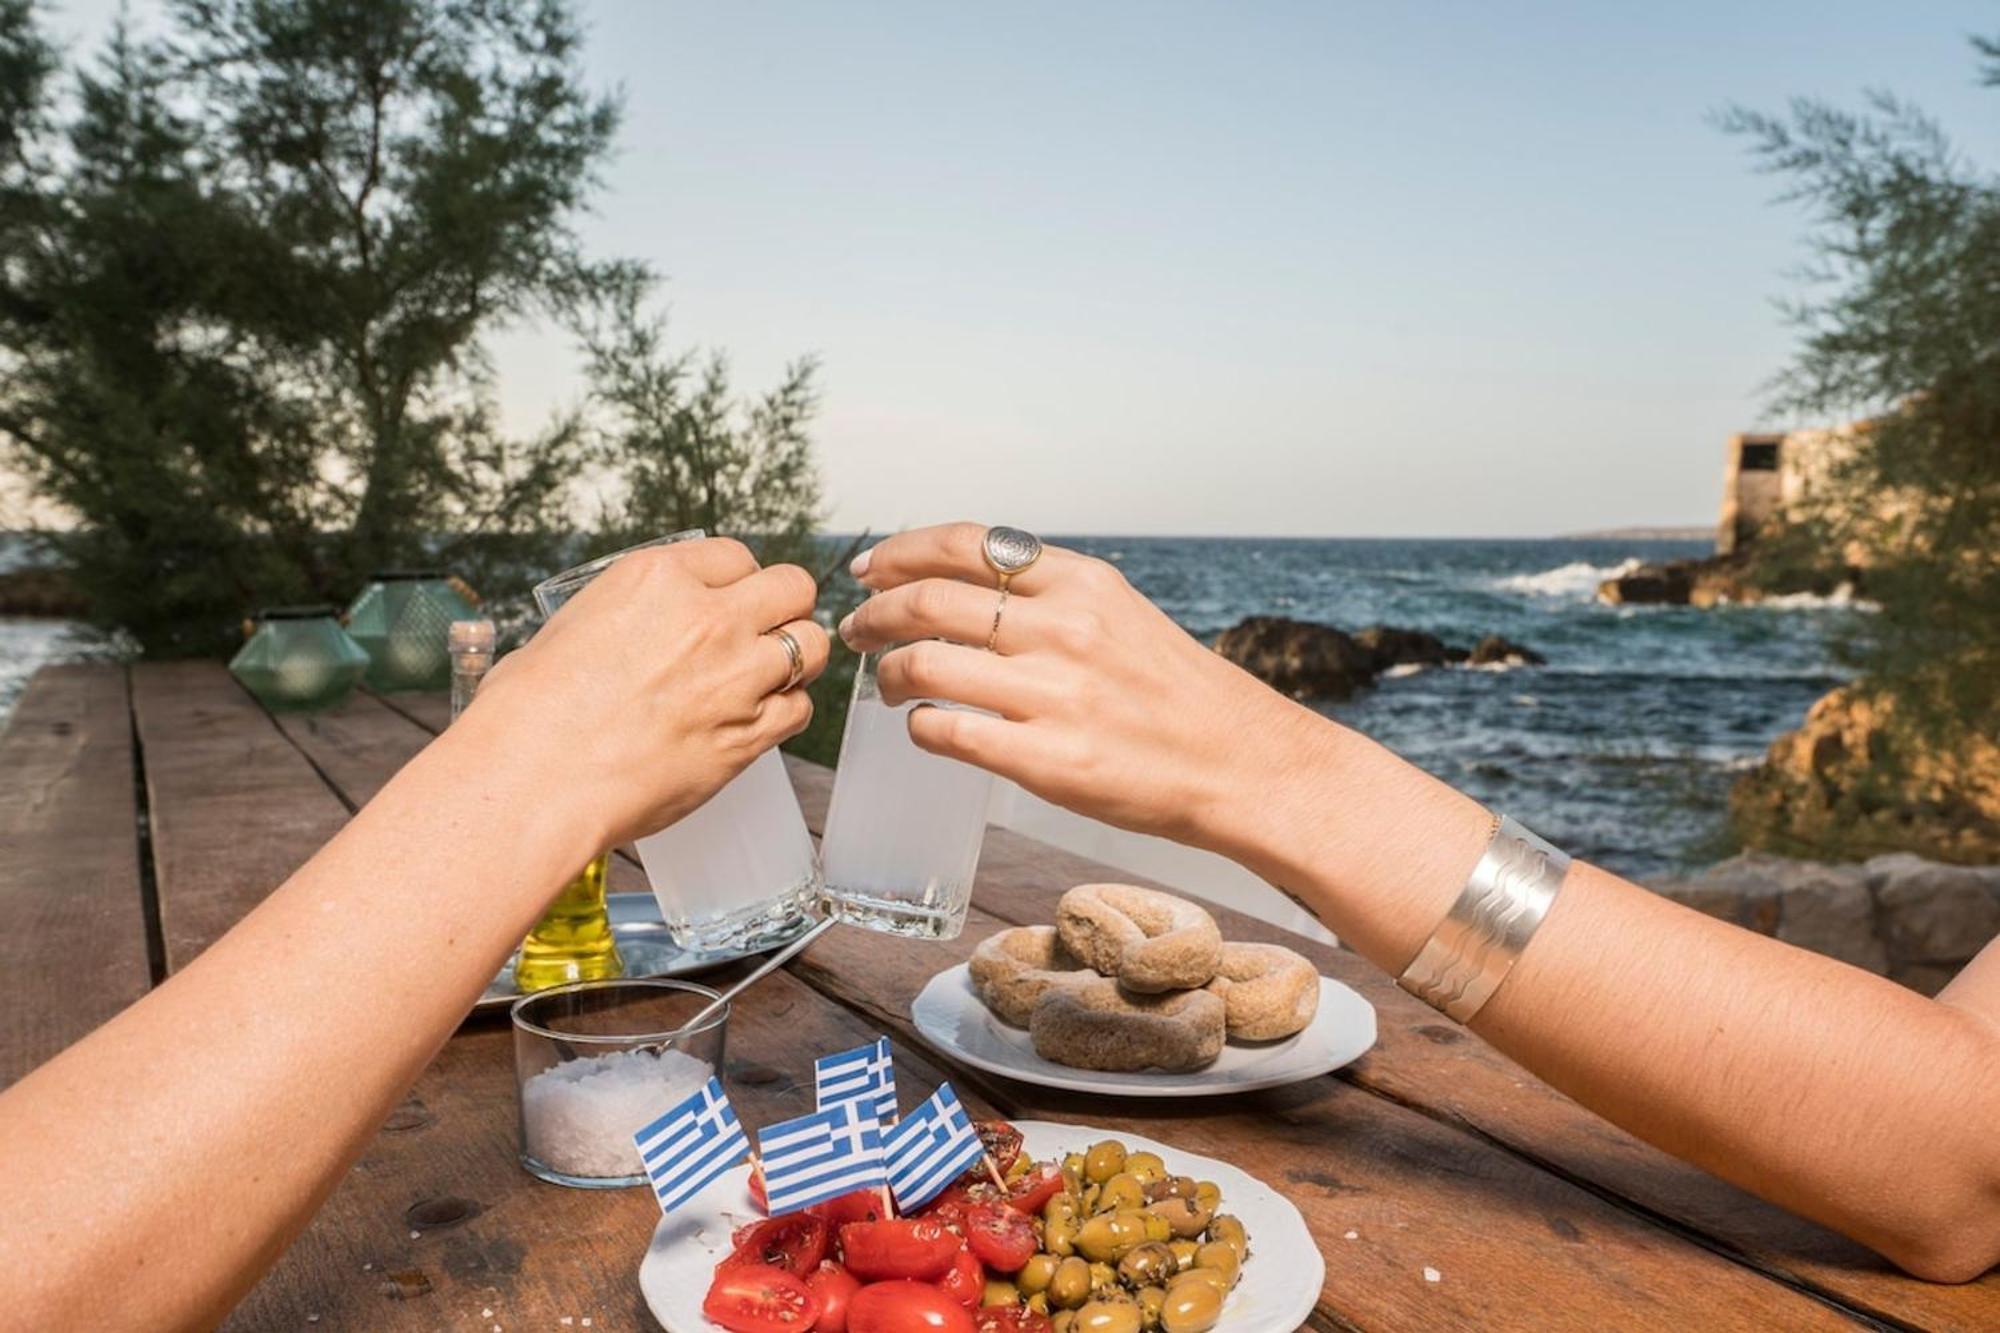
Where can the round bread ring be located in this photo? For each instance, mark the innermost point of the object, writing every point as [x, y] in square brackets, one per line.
[1150, 941]
[1012, 968]
[1267, 990]
[1097, 1025]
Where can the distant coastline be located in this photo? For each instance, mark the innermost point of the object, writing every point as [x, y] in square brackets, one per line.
[1700, 532]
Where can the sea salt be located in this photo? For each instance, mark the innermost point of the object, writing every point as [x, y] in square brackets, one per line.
[578, 1117]
[1432, 1275]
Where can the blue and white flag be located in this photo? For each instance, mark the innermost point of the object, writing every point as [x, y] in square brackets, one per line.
[821, 1156]
[691, 1145]
[930, 1149]
[865, 1074]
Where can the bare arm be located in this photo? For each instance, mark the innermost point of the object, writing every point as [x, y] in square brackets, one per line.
[1830, 1091]
[154, 1170]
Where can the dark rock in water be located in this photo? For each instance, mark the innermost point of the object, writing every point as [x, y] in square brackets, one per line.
[1496, 651]
[1302, 659]
[1650, 585]
[1713, 581]
[1388, 646]
[41, 592]
[1312, 661]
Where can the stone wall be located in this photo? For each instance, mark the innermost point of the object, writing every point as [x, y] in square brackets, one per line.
[1900, 916]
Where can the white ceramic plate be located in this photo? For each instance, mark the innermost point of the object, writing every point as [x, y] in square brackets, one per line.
[950, 1014]
[1283, 1275]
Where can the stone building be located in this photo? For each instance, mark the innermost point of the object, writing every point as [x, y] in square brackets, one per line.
[1765, 474]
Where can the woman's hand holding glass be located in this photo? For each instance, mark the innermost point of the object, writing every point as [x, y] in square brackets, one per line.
[1091, 697]
[659, 682]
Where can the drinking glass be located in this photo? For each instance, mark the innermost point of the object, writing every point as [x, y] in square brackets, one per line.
[596, 1061]
[903, 832]
[737, 873]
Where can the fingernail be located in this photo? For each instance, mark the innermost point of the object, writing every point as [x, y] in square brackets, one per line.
[846, 627]
[858, 567]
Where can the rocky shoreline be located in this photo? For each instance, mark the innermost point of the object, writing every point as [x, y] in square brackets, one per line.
[1714, 581]
[1914, 921]
[1308, 660]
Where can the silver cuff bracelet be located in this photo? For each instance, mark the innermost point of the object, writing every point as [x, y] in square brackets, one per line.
[1497, 912]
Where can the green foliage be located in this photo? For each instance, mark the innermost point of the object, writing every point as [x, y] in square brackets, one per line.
[1900, 328]
[246, 285]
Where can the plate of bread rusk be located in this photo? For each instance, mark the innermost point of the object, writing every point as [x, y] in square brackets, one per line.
[1134, 992]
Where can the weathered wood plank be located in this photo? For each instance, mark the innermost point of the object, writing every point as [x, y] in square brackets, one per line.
[74, 952]
[235, 808]
[1425, 1062]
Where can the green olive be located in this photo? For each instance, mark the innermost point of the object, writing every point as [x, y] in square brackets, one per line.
[1087, 1206]
[1184, 1250]
[1206, 1193]
[1172, 1187]
[1059, 1237]
[1070, 1286]
[1151, 1300]
[1121, 1191]
[1072, 1173]
[1145, 1165]
[1191, 1307]
[1203, 1277]
[1108, 1317]
[1149, 1264]
[1039, 1302]
[999, 1292]
[1187, 1218]
[1104, 1282]
[1106, 1237]
[1035, 1274]
[1060, 1207]
[1221, 1256]
[1103, 1161]
[1062, 1320]
[1157, 1227]
[1229, 1230]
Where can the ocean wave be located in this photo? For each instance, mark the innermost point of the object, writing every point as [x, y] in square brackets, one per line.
[1401, 669]
[1841, 598]
[1577, 579]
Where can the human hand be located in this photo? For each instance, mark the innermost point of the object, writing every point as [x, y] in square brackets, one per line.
[1102, 703]
[656, 684]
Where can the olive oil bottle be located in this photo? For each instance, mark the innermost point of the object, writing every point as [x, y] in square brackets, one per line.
[573, 940]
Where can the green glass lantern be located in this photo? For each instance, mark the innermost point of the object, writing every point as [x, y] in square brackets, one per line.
[401, 619]
[298, 657]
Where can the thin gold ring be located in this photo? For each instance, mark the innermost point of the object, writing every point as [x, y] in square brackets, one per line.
[794, 654]
[999, 609]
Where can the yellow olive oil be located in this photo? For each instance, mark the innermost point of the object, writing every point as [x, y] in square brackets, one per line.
[573, 940]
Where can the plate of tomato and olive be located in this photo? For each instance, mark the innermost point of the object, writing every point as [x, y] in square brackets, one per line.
[1092, 1233]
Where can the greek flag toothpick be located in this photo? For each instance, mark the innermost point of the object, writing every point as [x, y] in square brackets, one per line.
[866, 1074]
[691, 1145]
[821, 1156]
[930, 1149]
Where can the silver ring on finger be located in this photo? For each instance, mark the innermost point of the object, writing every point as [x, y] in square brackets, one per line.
[794, 655]
[1008, 551]
[999, 609]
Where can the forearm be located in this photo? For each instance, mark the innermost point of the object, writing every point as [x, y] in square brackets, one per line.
[1832, 1092]
[155, 1168]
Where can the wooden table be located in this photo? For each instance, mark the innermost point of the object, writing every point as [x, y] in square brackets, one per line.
[143, 811]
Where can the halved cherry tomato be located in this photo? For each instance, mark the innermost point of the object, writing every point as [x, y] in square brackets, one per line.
[1011, 1319]
[795, 1242]
[1002, 1140]
[859, 1206]
[947, 1213]
[1000, 1237]
[835, 1288]
[906, 1307]
[965, 1280]
[906, 1248]
[757, 1298]
[1036, 1188]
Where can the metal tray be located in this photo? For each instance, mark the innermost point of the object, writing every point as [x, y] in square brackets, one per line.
[643, 943]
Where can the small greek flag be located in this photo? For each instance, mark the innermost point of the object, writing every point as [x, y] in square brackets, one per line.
[691, 1145]
[930, 1149]
[821, 1156]
[865, 1074]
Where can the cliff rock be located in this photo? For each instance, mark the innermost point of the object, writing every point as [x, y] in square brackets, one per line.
[1298, 657]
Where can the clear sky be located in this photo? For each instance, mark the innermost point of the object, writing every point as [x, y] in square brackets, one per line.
[1319, 269]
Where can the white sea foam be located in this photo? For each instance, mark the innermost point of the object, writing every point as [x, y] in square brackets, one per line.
[1841, 597]
[1577, 580]
[1402, 669]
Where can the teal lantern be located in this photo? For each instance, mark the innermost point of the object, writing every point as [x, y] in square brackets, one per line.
[402, 619]
[298, 657]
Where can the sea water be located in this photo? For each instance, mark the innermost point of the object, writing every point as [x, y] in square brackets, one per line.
[903, 832]
[737, 873]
